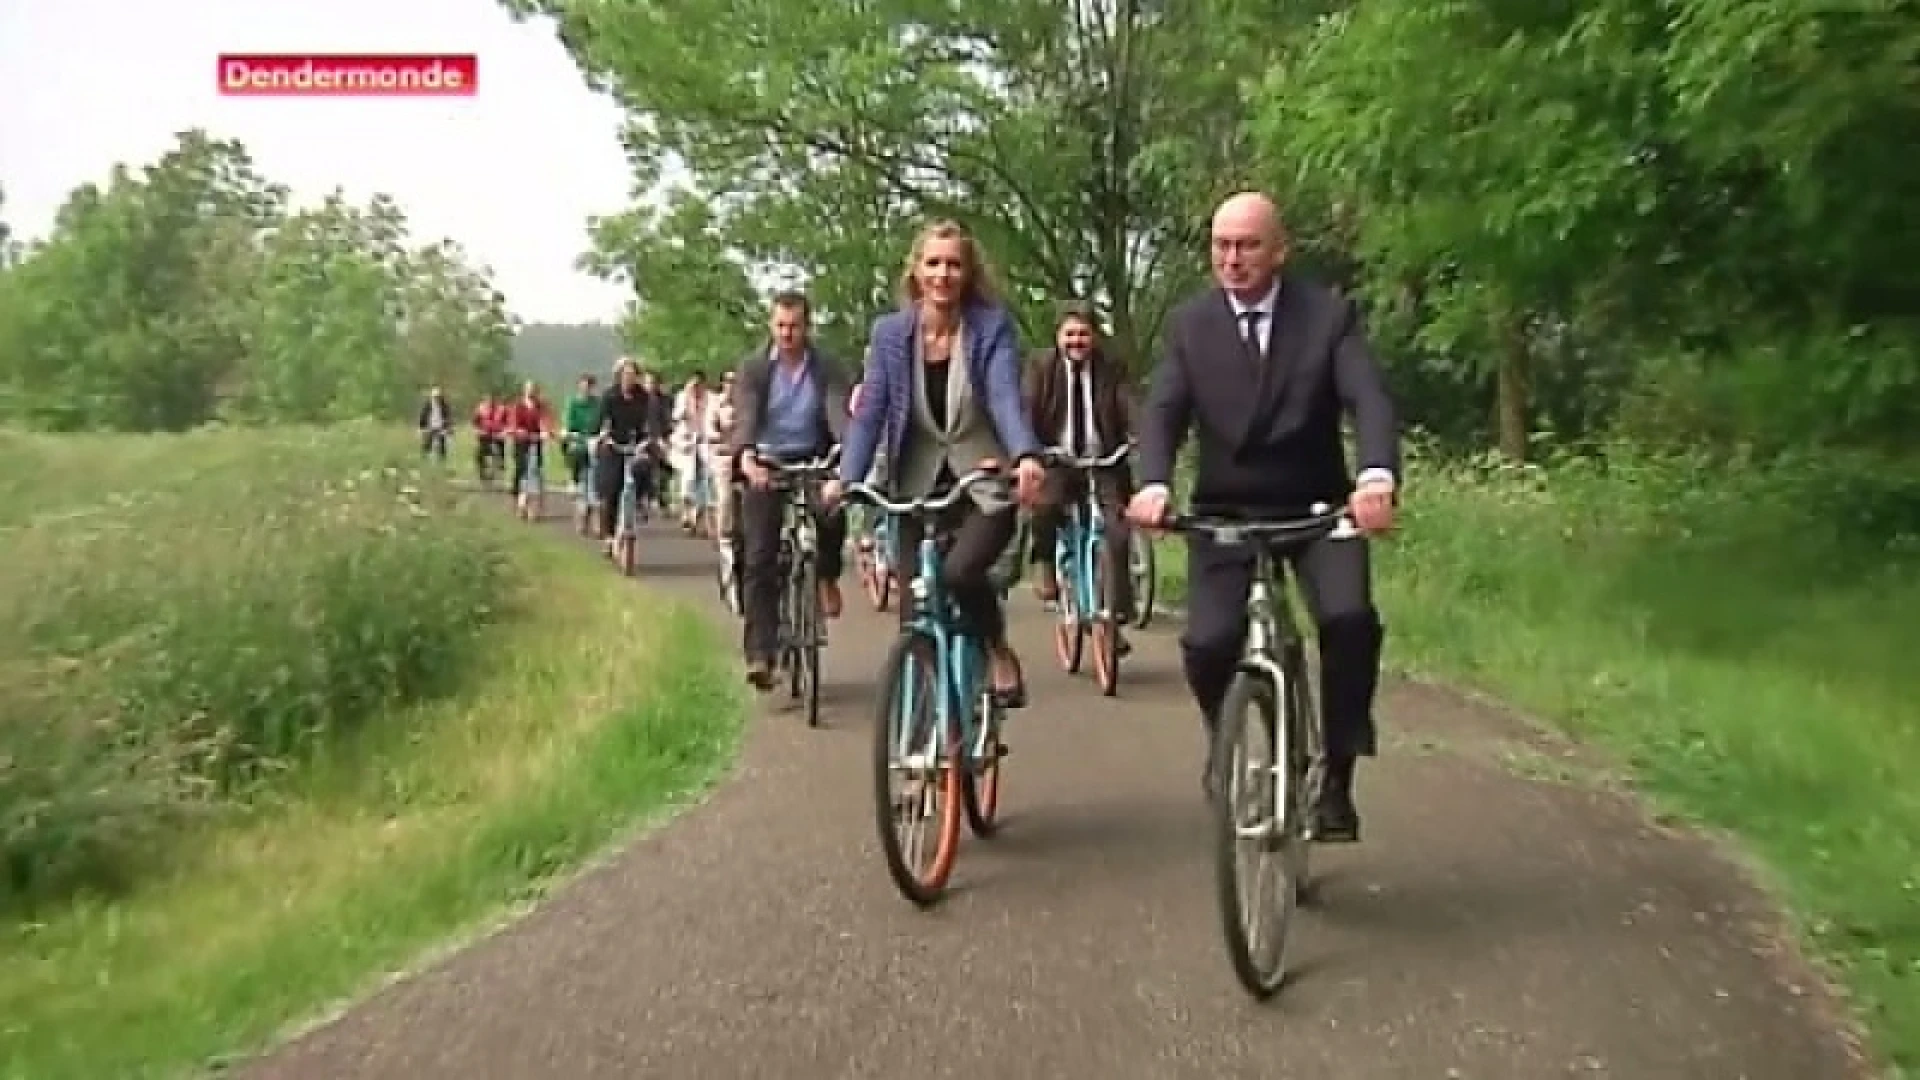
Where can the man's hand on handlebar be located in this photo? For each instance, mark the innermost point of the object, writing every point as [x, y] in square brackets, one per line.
[1372, 506]
[1148, 508]
[757, 475]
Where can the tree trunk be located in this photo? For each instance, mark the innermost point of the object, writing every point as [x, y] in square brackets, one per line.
[1513, 405]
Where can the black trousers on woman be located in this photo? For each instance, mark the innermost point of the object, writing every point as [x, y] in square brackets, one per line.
[976, 540]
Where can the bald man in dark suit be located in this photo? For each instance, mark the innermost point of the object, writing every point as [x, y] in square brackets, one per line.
[1263, 368]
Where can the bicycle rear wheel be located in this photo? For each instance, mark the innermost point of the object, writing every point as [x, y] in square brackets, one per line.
[980, 780]
[1146, 579]
[1259, 836]
[727, 576]
[1069, 632]
[875, 578]
[919, 821]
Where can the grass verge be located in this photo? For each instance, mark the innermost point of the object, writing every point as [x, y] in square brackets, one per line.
[1741, 639]
[587, 713]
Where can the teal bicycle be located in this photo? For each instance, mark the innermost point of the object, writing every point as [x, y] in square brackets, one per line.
[1079, 565]
[937, 748]
[629, 510]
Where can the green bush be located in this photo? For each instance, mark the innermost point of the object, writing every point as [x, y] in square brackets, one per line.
[181, 617]
[1741, 633]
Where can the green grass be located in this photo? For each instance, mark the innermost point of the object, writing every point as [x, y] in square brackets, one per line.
[565, 712]
[1742, 640]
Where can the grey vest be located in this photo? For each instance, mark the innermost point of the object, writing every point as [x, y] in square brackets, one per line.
[967, 439]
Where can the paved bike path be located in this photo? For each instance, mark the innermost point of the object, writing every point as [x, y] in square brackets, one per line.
[1490, 927]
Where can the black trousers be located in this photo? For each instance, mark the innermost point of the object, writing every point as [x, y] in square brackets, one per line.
[526, 455]
[577, 461]
[610, 478]
[976, 542]
[1335, 581]
[757, 521]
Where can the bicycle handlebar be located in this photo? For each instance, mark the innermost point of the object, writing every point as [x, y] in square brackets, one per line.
[867, 493]
[1322, 520]
[814, 468]
[1059, 458]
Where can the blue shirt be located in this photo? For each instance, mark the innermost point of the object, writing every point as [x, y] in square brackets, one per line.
[792, 425]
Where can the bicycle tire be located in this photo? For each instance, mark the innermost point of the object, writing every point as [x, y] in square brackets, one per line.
[1146, 584]
[914, 660]
[980, 782]
[1103, 631]
[806, 639]
[1069, 633]
[1253, 697]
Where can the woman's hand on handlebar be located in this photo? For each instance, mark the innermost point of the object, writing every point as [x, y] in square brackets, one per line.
[1029, 481]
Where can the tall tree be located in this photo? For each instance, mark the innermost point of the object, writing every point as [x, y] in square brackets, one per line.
[1083, 141]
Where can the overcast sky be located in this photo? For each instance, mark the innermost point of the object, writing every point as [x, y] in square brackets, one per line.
[511, 173]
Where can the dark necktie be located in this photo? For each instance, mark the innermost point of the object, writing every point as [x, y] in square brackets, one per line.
[1250, 333]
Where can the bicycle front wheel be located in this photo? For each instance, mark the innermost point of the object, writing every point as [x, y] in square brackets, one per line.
[1103, 629]
[1259, 841]
[803, 606]
[916, 773]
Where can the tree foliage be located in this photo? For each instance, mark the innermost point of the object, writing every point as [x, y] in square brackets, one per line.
[1082, 141]
[557, 354]
[1675, 219]
[188, 290]
[1682, 216]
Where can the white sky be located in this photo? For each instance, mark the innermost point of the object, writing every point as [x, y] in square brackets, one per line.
[511, 173]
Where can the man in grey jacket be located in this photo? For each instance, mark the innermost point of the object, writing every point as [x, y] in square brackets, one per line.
[790, 404]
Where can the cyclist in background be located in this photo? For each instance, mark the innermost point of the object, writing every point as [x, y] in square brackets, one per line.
[623, 422]
[659, 435]
[1076, 401]
[489, 428]
[791, 404]
[723, 461]
[436, 424]
[529, 424]
[580, 425]
[692, 443]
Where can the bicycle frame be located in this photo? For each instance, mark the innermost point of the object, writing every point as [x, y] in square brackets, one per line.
[1273, 633]
[628, 508]
[588, 496]
[959, 657]
[1083, 534]
[1078, 547]
[536, 481]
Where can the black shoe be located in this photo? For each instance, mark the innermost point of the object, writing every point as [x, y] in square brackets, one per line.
[1335, 820]
[760, 676]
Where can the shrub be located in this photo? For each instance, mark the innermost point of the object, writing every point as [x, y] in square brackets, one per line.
[182, 617]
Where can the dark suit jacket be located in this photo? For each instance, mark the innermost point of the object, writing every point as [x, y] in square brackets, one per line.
[753, 384]
[1268, 436]
[1046, 398]
[886, 399]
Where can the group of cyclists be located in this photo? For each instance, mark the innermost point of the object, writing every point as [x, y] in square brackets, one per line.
[956, 437]
[943, 392]
[667, 435]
